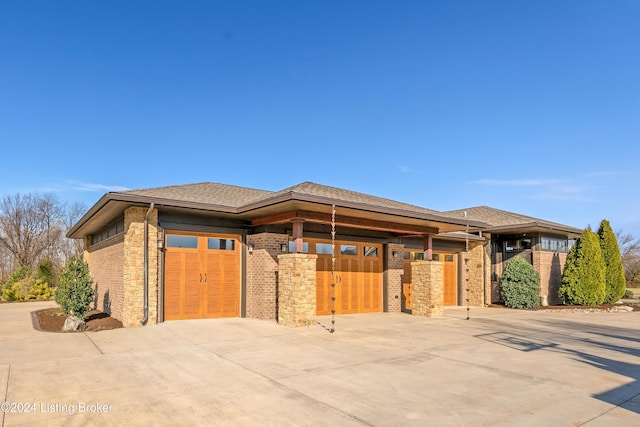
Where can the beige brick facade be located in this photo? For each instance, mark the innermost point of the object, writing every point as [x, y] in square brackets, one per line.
[133, 266]
[106, 261]
[297, 289]
[393, 277]
[427, 287]
[550, 266]
[262, 274]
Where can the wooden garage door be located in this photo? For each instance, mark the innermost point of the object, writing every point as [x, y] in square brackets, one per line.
[450, 260]
[202, 276]
[358, 277]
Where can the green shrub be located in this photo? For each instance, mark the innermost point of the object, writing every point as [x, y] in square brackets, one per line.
[615, 282]
[46, 272]
[628, 293]
[40, 290]
[583, 278]
[11, 291]
[24, 285]
[74, 293]
[520, 284]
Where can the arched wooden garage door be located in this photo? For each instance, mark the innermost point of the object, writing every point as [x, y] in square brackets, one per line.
[358, 277]
[202, 276]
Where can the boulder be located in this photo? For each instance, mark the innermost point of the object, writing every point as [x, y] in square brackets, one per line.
[73, 324]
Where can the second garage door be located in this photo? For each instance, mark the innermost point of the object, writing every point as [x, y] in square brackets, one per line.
[358, 277]
[202, 276]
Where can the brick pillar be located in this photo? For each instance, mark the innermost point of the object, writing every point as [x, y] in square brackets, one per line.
[427, 288]
[297, 290]
[262, 272]
[133, 305]
[393, 275]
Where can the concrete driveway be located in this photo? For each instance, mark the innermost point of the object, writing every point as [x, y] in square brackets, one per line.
[502, 367]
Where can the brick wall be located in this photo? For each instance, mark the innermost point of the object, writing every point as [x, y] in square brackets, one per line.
[393, 277]
[262, 274]
[106, 262]
[550, 266]
[133, 271]
[297, 289]
[427, 288]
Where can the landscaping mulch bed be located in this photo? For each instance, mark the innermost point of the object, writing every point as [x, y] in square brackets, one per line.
[52, 320]
[579, 308]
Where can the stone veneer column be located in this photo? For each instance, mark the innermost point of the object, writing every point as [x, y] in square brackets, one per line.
[427, 288]
[297, 289]
[133, 306]
[473, 270]
[393, 277]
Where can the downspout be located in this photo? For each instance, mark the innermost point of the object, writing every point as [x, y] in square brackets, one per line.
[145, 317]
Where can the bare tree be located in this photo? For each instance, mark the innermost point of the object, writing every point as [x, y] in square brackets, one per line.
[30, 227]
[72, 247]
[630, 251]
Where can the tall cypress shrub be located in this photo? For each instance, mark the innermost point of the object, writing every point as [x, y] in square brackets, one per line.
[583, 278]
[615, 283]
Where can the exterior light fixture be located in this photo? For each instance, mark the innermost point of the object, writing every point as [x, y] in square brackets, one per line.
[250, 248]
[394, 254]
[284, 247]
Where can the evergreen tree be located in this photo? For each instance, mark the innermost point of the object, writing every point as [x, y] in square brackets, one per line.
[520, 284]
[614, 270]
[583, 278]
[74, 293]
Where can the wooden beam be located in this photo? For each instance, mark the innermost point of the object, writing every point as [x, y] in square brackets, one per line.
[297, 233]
[428, 247]
[344, 221]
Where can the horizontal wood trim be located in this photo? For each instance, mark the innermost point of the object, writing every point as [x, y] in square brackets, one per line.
[345, 221]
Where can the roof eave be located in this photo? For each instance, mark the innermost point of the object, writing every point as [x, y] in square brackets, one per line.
[536, 224]
[292, 195]
[134, 199]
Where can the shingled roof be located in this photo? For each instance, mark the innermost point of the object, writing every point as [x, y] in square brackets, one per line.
[500, 219]
[340, 194]
[205, 192]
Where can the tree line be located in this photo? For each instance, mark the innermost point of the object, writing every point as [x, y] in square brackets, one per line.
[33, 244]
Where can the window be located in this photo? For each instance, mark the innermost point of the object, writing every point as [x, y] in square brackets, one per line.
[448, 258]
[348, 250]
[515, 245]
[292, 247]
[221, 244]
[108, 232]
[324, 248]
[370, 251]
[556, 245]
[434, 257]
[188, 242]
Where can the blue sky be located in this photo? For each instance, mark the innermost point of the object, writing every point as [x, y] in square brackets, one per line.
[532, 107]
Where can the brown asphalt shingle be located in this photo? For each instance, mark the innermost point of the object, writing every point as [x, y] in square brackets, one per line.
[205, 192]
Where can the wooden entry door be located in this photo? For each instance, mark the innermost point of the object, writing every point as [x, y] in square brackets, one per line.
[202, 276]
[450, 260]
[358, 277]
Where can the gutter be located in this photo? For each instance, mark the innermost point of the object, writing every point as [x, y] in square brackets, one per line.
[145, 317]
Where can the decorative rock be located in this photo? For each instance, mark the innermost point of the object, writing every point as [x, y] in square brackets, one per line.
[73, 324]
